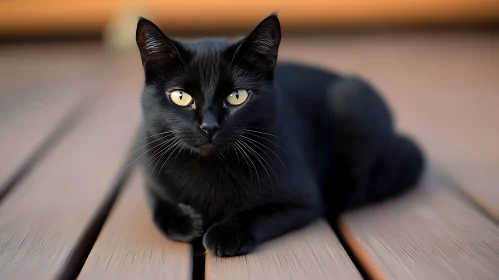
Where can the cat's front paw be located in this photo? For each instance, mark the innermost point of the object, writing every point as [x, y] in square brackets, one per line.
[183, 225]
[228, 239]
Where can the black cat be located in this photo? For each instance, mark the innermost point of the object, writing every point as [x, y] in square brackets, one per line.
[241, 149]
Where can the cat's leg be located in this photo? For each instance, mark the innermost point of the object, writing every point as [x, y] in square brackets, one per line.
[177, 221]
[241, 233]
[382, 162]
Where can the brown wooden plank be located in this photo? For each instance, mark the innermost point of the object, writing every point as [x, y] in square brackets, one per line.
[430, 233]
[131, 247]
[313, 252]
[42, 220]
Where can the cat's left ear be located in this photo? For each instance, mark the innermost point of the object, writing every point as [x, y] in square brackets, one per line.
[154, 46]
[262, 44]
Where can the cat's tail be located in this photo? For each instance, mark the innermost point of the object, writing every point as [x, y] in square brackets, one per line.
[398, 167]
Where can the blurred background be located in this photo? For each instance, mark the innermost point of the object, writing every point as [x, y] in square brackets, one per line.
[31, 19]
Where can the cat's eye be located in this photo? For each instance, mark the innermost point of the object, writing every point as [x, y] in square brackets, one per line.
[181, 98]
[237, 97]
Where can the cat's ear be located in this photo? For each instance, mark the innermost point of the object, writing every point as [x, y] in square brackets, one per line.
[262, 44]
[154, 45]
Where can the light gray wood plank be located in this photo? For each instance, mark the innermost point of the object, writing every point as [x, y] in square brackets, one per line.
[432, 232]
[131, 247]
[313, 252]
[43, 218]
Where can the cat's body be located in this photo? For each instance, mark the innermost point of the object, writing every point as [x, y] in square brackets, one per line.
[305, 142]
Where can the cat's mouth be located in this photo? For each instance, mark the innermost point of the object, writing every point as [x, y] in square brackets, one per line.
[208, 148]
[208, 145]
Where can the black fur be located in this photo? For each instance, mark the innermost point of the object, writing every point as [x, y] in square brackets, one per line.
[306, 143]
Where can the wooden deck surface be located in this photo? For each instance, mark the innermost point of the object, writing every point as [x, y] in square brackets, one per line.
[130, 247]
[71, 208]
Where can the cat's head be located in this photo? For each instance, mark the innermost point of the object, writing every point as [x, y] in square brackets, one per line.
[205, 94]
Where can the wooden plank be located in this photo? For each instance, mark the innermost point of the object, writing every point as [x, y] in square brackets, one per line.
[25, 130]
[480, 182]
[430, 233]
[313, 252]
[43, 219]
[34, 115]
[131, 247]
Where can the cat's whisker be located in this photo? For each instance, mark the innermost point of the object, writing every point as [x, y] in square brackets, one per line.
[252, 152]
[157, 134]
[177, 143]
[249, 158]
[245, 157]
[162, 155]
[180, 150]
[160, 144]
[257, 157]
[261, 132]
[255, 141]
[159, 159]
[236, 149]
[270, 166]
[270, 141]
[222, 156]
[161, 149]
[131, 163]
[149, 143]
[163, 152]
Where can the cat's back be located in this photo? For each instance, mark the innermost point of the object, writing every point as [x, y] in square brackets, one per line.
[302, 96]
[303, 89]
[303, 82]
[304, 113]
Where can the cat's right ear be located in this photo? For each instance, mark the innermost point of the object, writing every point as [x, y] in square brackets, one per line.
[154, 46]
[261, 46]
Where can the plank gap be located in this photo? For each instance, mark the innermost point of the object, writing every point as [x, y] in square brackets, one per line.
[348, 249]
[432, 232]
[198, 260]
[77, 258]
[66, 124]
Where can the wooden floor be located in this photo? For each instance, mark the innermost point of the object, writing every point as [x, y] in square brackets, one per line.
[70, 208]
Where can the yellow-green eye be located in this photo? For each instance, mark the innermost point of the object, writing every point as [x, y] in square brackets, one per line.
[237, 97]
[180, 98]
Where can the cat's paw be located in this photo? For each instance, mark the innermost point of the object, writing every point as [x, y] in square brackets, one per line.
[183, 225]
[228, 239]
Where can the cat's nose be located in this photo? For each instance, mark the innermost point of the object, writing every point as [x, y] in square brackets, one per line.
[210, 128]
[209, 125]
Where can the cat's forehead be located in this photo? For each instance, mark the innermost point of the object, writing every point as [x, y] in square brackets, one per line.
[207, 64]
[206, 56]
[204, 46]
